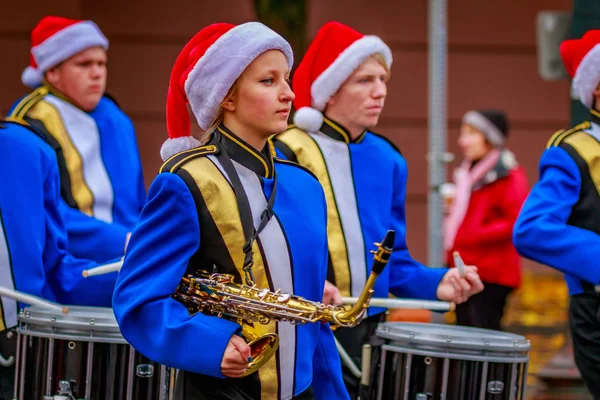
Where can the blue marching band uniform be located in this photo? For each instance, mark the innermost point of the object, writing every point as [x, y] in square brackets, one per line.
[365, 185]
[193, 199]
[559, 226]
[102, 185]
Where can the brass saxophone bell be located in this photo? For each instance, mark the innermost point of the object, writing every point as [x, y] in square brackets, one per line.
[262, 348]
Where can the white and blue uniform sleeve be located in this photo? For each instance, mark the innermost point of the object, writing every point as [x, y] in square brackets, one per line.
[167, 236]
[541, 232]
[408, 278]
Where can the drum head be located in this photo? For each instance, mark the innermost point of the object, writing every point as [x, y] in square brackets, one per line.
[453, 338]
[90, 324]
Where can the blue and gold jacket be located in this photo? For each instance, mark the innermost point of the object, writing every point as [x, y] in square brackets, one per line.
[559, 224]
[365, 186]
[102, 186]
[33, 240]
[191, 222]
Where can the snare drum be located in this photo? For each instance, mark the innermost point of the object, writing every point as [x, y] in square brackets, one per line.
[433, 361]
[82, 355]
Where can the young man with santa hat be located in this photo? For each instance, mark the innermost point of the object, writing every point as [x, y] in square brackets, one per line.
[33, 240]
[229, 206]
[102, 186]
[340, 87]
[559, 224]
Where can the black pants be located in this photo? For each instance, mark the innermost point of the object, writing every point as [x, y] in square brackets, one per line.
[584, 320]
[485, 309]
[190, 386]
[8, 346]
[352, 340]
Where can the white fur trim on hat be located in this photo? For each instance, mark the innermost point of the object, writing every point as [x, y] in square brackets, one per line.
[344, 65]
[587, 77]
[490, 131]
[308, 119]
[173, 146]
[61, 46]
[221, 65]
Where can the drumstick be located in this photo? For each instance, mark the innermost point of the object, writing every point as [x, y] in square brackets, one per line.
[33, 300]
[459, 264]
[103, 269]
[405, 303]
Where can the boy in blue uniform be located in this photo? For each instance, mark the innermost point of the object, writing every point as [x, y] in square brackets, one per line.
[102, 187]
[33, 241]
[343, 75]
[559, 224]
[202, 210]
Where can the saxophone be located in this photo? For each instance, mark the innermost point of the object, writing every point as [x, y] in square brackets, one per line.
[218, 295]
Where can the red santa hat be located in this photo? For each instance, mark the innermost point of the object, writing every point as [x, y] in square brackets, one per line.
[582, 61]
[206, 69]
[56, 39]
[335, 53]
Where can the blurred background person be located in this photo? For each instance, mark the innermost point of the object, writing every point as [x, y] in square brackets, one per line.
[489, 190]
[102, 186]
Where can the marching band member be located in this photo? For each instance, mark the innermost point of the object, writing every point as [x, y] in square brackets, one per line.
[33, 241]
[340, 87]
[235, 79]
[559, 224]
[102, 187]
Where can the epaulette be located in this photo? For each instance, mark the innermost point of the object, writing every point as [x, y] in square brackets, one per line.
[176, 161]
[20, 111]
[387, 140]
[288, 162]
[562, 134]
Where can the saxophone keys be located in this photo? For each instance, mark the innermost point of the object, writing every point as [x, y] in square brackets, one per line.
[283, 298]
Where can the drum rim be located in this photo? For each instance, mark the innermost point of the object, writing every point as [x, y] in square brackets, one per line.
[510, 342]
[100, 325]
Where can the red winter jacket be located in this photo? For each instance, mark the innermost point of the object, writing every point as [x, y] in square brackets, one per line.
[484, 238]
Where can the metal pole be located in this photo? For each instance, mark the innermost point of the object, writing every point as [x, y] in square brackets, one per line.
[437, 127]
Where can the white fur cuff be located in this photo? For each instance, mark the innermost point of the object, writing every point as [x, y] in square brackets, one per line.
[173, 146]
[587, 77]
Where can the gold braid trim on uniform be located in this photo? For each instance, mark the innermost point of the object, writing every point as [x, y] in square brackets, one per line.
[21, 109]
[589, 149]
[560, 135]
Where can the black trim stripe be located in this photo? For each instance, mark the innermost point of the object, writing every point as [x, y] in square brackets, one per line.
[27, 102]
[334, 130]
[559, 136]
[287, 162]
[176, 161]
[260, 162]
[285, 149]
[66, 191]
[215, 248]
